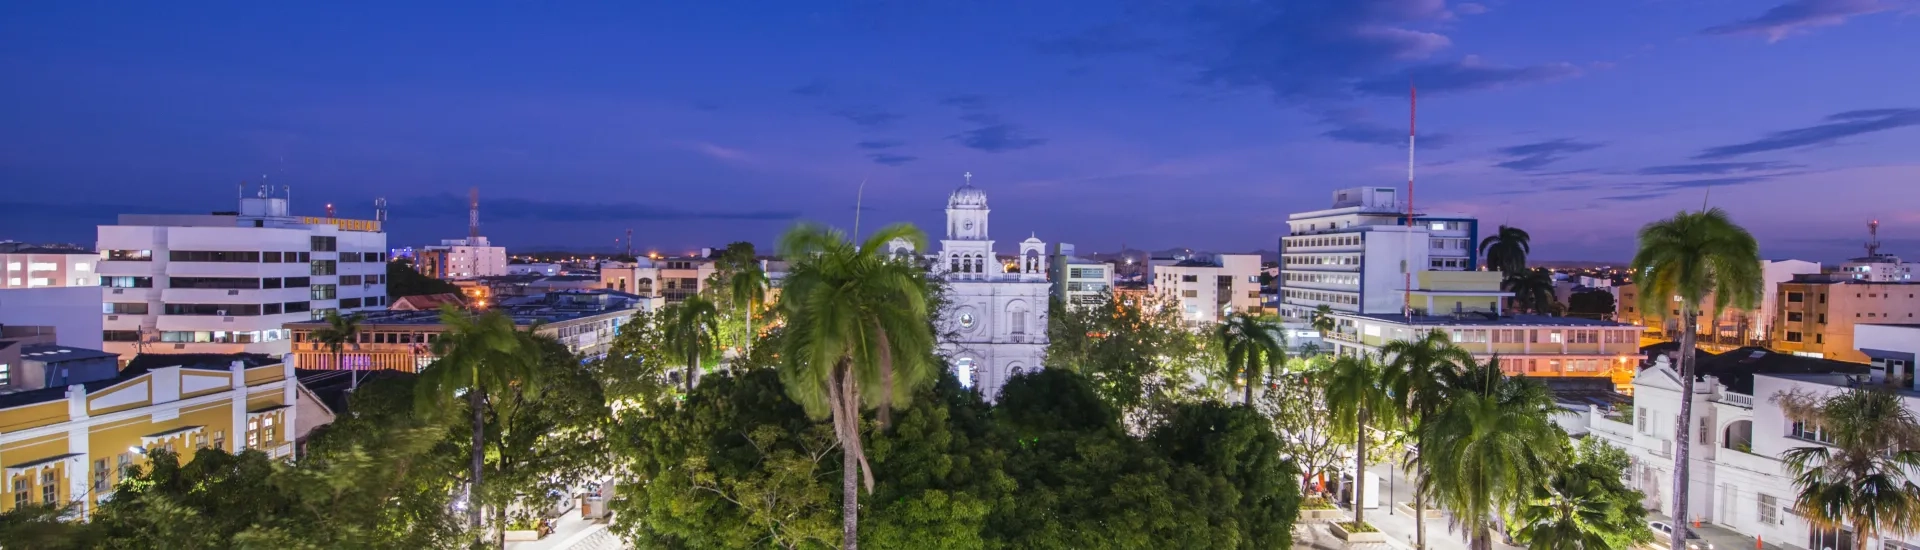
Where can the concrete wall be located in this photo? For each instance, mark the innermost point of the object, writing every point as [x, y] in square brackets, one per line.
[74, 312]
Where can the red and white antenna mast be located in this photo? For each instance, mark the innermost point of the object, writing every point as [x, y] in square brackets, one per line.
[1413, 121]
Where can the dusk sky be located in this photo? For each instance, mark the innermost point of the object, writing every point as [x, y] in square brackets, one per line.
[1153, 124]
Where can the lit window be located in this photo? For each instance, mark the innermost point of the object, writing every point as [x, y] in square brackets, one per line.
[83, 266]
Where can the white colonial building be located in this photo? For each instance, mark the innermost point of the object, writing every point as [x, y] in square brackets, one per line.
[1739, 434]
[995, 324]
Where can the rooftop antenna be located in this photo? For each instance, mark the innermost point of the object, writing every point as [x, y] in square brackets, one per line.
[330, 210]
[858, 196]
[380, 210]
[1873, 238]
[1406, 262]
[629, 242]
[473, 216]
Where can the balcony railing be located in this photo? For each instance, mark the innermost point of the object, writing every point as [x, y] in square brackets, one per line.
[1735, 399]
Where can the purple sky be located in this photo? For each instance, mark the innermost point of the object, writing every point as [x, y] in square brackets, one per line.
[1156, 124]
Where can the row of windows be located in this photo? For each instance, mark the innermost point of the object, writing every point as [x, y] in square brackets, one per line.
[1449, 263]
[349, 280]
[323, 267]
[236, 310]
[1450, 244]
[1536, 365]
[1330, 240]
[1322, 297]
[366, 257]
[1322, 278]
[1087, 273]
[123, 308]
[1344, 259]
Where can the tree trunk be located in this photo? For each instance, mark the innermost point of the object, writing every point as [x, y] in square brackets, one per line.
[1419, 517]
[693, 369]
[500, 527]
[747, 349]
[1249, 388]
[474, 401]
[1481, 537]
[1683, 430]
[849, 458]
[1359, 470]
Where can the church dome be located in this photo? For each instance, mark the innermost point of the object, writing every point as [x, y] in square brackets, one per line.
[967, 195]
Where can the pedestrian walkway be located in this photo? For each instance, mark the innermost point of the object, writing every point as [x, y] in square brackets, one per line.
[1714, 537]
[571, 532]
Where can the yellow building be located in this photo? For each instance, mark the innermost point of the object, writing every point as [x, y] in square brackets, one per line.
[70, 444]
[1466, 307]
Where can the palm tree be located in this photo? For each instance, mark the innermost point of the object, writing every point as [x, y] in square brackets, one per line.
[1487, 447]
[1355, 393]
[1532, 289]
[1506, 251]
[1860, 479]
[340, 331]
[1322, 319]
[1570, 513]
[475, 356]
[1690, 256]
[1250, 344]
[1417, 372]
[748, 287]
[858, 336]
[691, 331]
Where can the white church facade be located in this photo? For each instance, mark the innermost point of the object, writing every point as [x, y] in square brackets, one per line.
[994, 326]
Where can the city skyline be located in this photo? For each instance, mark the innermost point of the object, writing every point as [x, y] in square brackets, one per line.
[1141, 123]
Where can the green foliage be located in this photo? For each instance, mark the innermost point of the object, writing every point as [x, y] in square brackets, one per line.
[403, 281]
[739, 464]
[636, 372]
[1140, 358]
[1694, 254]
[1358, 527]
[1585, 506]
[1506, 250]
[1592, 304]
[1251, 346]
[1861, 480]
[692, 332]
[1487, 448]
[1532, 290]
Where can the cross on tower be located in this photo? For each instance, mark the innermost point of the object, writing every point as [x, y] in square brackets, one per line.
[969, 176]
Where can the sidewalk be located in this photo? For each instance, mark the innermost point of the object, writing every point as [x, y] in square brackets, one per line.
[571, 532]
[1399, 526]
[1714, 537]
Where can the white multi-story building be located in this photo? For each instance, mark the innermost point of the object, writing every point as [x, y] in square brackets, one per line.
[1737, 479]
[35, 267]
[995, 323]
[1078, 281]
[1354, 256]
[229, 281]
[1206, 289]
[466, 259]
[1737, 327]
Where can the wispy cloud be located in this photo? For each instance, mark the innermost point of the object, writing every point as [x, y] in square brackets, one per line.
[1469, 8]
[868, 117]
[449, 205]
[1708, 182]
[1838, 126]
[1313, 48]
[965, 102]
[816, 88]
[1108, 39]
[1716, 168]
[720, 153]
[1353, 126]
[1533, 156]
[880, 144]
[1469, 74]
[997, 138]
[891, 159]
[1798, 16]
[1636, 197]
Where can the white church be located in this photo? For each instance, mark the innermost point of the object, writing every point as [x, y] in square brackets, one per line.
[995, 324]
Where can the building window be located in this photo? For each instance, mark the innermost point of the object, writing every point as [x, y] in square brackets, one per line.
[223, 256]
[1793, 336]
[1554, 337]
[220, 439]
[322, 244]
[100, 476]
[20, 496]
[1769, 509]
[1189, 278]
[1819, 338]
[1822, 319]
[6, 374]
[49, 487]
[1801, 430]
[1793, 317]
[1189, 294]
[127, 255]
[1640, 420]
[322, 292]
[322, 267]
[1795, 297]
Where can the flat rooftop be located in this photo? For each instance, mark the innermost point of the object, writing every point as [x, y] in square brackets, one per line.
[547, 308]
[1484, 319]
[49, 353]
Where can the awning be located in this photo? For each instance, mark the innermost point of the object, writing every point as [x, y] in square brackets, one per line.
[28, 467]
[188, 431]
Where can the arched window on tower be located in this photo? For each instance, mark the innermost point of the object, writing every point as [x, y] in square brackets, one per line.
[953, 263]
[979, 265]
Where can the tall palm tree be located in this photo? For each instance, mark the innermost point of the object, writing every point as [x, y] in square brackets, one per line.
[1487, 447]
[1250, 345]
[1354, 395]
[693, 326]
[1859, 480]
[475, 356]
[1690, 256]
[1416, 374]
[1532, 289]
[858, 337]
[1569, 513]
[1506, 250]
[340, 331]
[748, 287]
[1322, 319]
